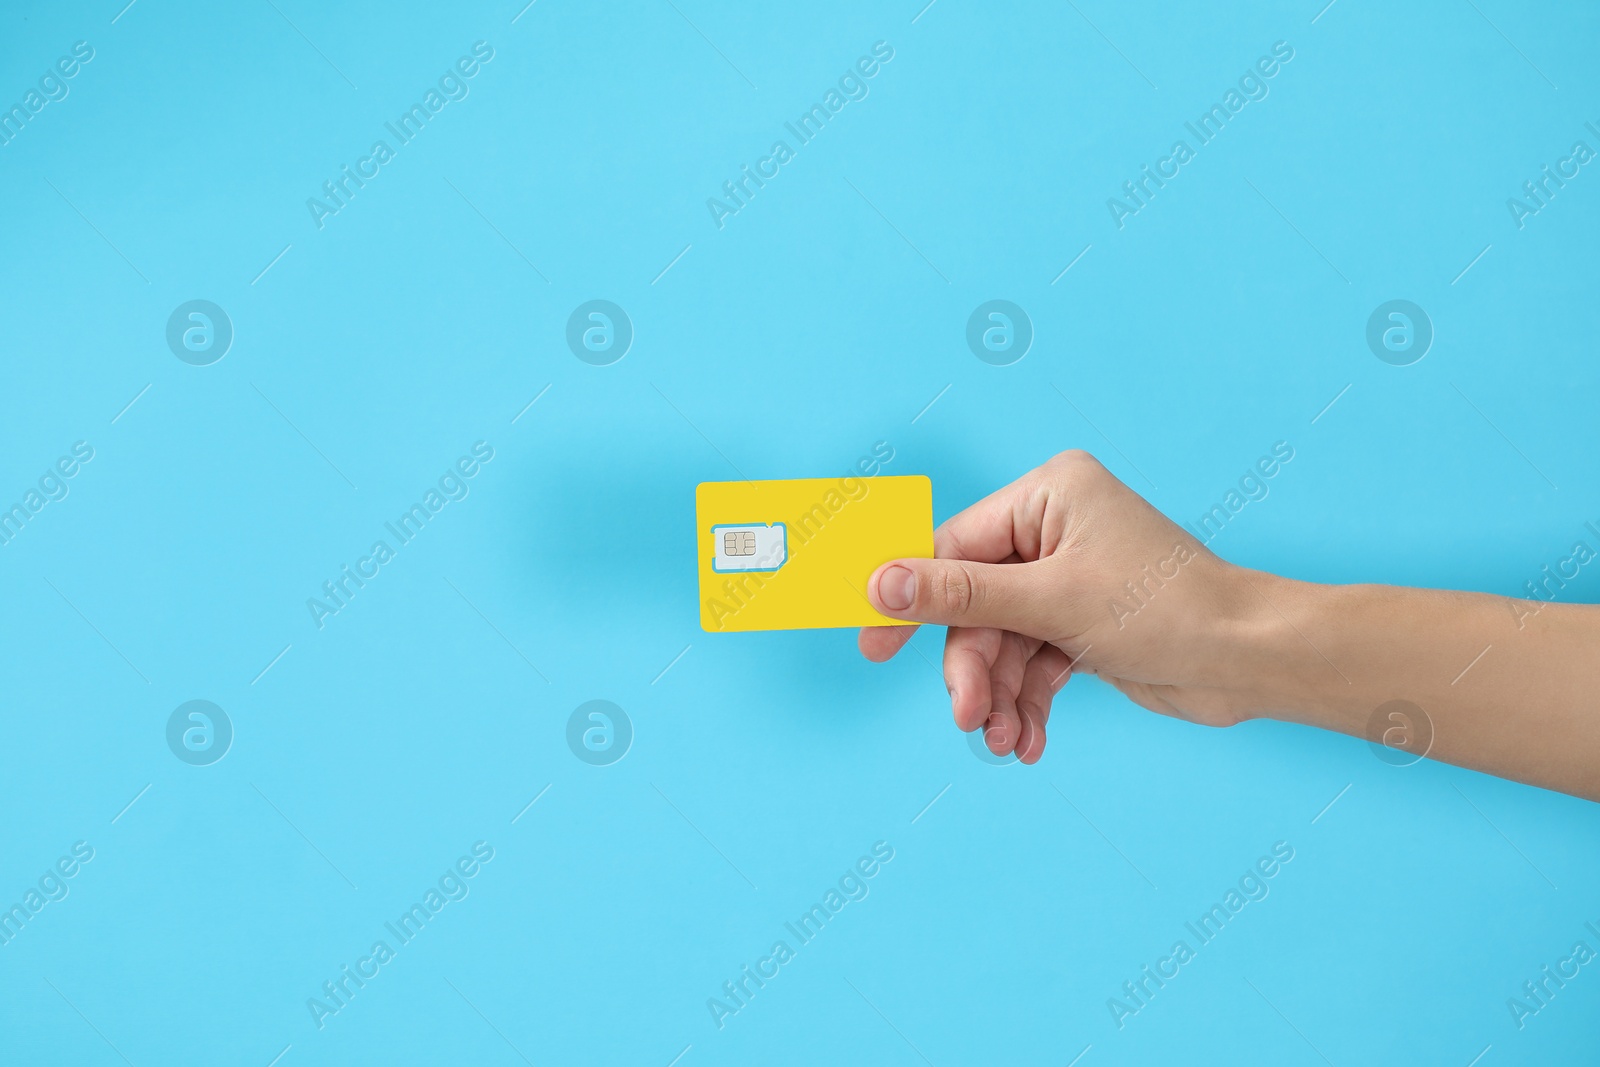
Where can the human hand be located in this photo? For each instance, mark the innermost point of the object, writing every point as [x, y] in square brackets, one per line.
[1064, 571]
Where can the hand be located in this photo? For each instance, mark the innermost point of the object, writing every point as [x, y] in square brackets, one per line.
[1068, 571]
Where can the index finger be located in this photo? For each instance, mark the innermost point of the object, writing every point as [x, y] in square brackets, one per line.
[986, 532]
[880, 643]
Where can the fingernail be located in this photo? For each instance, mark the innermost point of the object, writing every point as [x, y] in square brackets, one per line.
[994, 732]
[897, 586]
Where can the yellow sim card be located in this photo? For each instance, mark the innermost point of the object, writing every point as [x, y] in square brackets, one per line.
[796, 555]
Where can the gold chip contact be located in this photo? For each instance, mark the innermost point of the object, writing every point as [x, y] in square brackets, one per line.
[739, 543]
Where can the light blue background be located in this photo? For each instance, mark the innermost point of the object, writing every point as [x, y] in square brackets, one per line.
[424, 718]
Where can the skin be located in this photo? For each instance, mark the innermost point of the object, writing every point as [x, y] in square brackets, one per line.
[1027, 579]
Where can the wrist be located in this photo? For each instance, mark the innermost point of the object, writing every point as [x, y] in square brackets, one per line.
[1276, 664]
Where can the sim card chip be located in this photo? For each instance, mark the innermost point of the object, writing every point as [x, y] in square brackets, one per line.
[755, 546]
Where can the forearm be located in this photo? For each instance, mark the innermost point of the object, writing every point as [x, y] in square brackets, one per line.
[1511, 687]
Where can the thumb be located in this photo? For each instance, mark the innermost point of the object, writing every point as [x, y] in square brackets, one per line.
[956, 592]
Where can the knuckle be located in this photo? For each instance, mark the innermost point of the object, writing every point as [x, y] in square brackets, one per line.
[1076, 463]
[953, 589]
[1074, 457]
[1078, 471]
